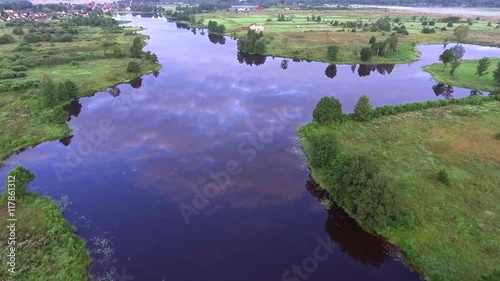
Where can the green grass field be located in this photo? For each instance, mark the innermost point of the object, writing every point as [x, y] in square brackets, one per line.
[465, 76]
[20, 114]
[47, 246]
[304, 39]
[455, 235]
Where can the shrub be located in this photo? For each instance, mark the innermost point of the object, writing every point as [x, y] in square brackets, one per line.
[444, 177]
[24, 47]
[18, 68]
[133, 67]
[18, 31]
[332, 52]
[497, 136]
[328, 109]
[363, 109]
[31, 38]
[6, 39]
[324, 148]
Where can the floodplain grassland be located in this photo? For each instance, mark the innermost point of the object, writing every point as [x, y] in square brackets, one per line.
[465, 75]
[47, 246]
[88, 60]
[452, 232]
[303, 39]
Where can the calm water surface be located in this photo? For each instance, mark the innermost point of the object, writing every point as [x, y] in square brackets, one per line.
[142, 151]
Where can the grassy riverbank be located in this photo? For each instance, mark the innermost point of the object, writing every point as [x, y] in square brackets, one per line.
[465, 76]
[96, 58]
[448, 230]
[46, 246]
[303, 39]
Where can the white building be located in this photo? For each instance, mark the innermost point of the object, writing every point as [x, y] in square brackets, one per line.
[256, 27]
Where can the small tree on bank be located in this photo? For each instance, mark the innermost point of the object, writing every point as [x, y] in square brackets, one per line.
[496, 73]
[363, 109]
[447, 57]
[482, 67]
[328, 109]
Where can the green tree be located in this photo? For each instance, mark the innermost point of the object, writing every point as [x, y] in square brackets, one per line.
[118, 52]
[48, 90]
[496, 73]
[366, 54]
[454, 65]
[373, 40]
[363, 109]
[66, 90]
[482, 67]
[447, 57]
[461, 32]
[22, 177]
[328, 109]
[332, 52]
[136, 48]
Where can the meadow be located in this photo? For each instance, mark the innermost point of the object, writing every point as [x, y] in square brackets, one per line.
[451, 229]
[87, 60]
[465, 76]
[302, 39]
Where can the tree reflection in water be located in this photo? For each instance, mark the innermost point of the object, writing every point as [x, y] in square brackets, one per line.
[216, 39]
[251, 59]
[114, 91]
[349, 236]
[443, 90]
[136, 83]
[331, 71]
[73, 108]
[66, 140]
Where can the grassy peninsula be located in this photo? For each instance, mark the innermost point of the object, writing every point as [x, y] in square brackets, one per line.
[46, 246]
[93, 54]
[307, 34]
[465, 76]
[424, 175]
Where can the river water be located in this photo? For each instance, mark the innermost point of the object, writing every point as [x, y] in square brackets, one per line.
[195, 172]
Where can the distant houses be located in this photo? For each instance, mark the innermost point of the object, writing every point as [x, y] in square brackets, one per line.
[256, 27]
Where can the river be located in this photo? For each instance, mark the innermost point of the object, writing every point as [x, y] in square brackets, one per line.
[195, 172]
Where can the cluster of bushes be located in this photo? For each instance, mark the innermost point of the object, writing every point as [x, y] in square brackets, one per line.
[408, 107]
[253, 43]
[380, 49]
[329, 109]
[354, 180]
[55, 93]
[12, 85]
[213, 27]
[12, 75]
[382, 24]
[93, 20]
[19, 68]
[47, 37]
